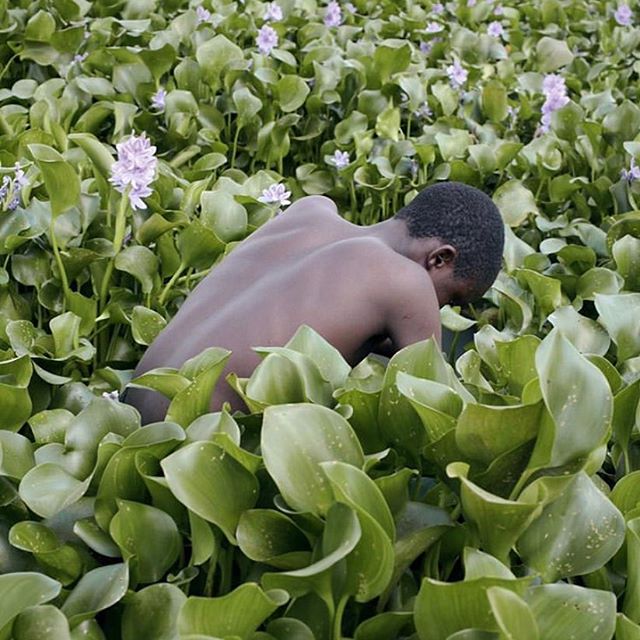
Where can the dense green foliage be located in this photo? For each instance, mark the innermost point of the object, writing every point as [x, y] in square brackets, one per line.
[495, 495]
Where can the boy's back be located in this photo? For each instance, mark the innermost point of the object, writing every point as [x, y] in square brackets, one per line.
[306, 266]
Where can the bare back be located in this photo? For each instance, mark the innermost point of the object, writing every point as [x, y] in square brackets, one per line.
[306, 266]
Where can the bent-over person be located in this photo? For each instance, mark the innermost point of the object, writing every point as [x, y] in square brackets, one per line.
[372, 289]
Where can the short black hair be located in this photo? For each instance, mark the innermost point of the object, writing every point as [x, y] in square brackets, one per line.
[466, 218]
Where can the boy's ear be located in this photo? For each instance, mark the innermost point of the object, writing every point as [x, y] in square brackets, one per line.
[445, 254]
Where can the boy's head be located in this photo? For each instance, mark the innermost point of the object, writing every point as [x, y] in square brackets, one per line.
[471, 232]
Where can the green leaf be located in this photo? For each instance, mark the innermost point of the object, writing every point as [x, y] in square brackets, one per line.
[16, 455]
[292, 91]
[239, 613]
[141, 263]
[212, 484]
[577, 532]
[515, 202]
[43, 621]
[513, 615]
[19, 591]
[98, 589]
[295, 439]
[146, 324]
[148, 537]
[617, 313]
[153, 613]
[552, 54]
[214, 56]
[223, 214]
[626, 253]
[562, 610]
[15, 375]
[60, 179]
[631, 602]
[494, 101]
[586, 335]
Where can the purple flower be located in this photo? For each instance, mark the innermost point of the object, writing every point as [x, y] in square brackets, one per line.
[457, 74]
[351, 8]
[555, 92]
[158, 98]
[333, 16]
[623, 15]
[267, 39]
[471, 3]
[495, 29]
[499, 10]
[434, 27]
[340, 159]
[425, 47]
[114, 396]
[423, 112]
[12, 188]
[273, 12]
[80, 57]
[203, 15]
[632, 174]
[275, 193]
[438, 8]
[134, 169]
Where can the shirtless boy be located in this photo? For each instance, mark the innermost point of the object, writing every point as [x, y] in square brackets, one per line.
[364, 289]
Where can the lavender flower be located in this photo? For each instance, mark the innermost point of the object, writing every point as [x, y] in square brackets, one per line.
[80, 57]
[203, 15]
[434, 27]
[114, 396]
[438, 8]
[333, 16]
[340, 159]
[158, 99]
[275, 193]
[425, 47]
[12, 188]
[499, 10]
[267, 39]
[495, 29]
[471, 3]
[273, 12]
[351, 8]
[632, 174]
[423, 112]
[457, 74]
[623, 15]
[134, 169]
[555, 92]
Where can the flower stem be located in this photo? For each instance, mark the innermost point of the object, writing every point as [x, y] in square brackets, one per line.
[118, 237]
[235, 146]
[171, 282]
[337, 618]
[56, 253]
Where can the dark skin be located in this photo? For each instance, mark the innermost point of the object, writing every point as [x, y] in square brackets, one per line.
[364, 289]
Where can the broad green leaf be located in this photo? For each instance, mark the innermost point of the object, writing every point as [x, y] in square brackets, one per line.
[146, 324]
[60, 179]
[221, 212]
[141, 263]
[631, 602]
[292, 91]
[153, 613]
[575, 392]
[586, 335]
[43, 621]
[19, 591]
[485, 432]
[16, 455]
[513, 615]
[295, 439]
[384, 626]
[238, 613]
[626, 253]
[214, 55]
[271, 537]
[459, 605]
[494, 101]
[147, 537]
[194, 400]
[212, 484]
[626, 629]
[97, 590]
[552, 54]
[15, 375]
[563, 610]
[578, 530]
[515, 202]
[616, 315]
[499, 522]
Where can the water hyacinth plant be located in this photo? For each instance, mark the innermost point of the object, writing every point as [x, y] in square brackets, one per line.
[488, 490]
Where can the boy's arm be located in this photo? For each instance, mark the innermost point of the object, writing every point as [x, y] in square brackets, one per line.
[411, 311]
